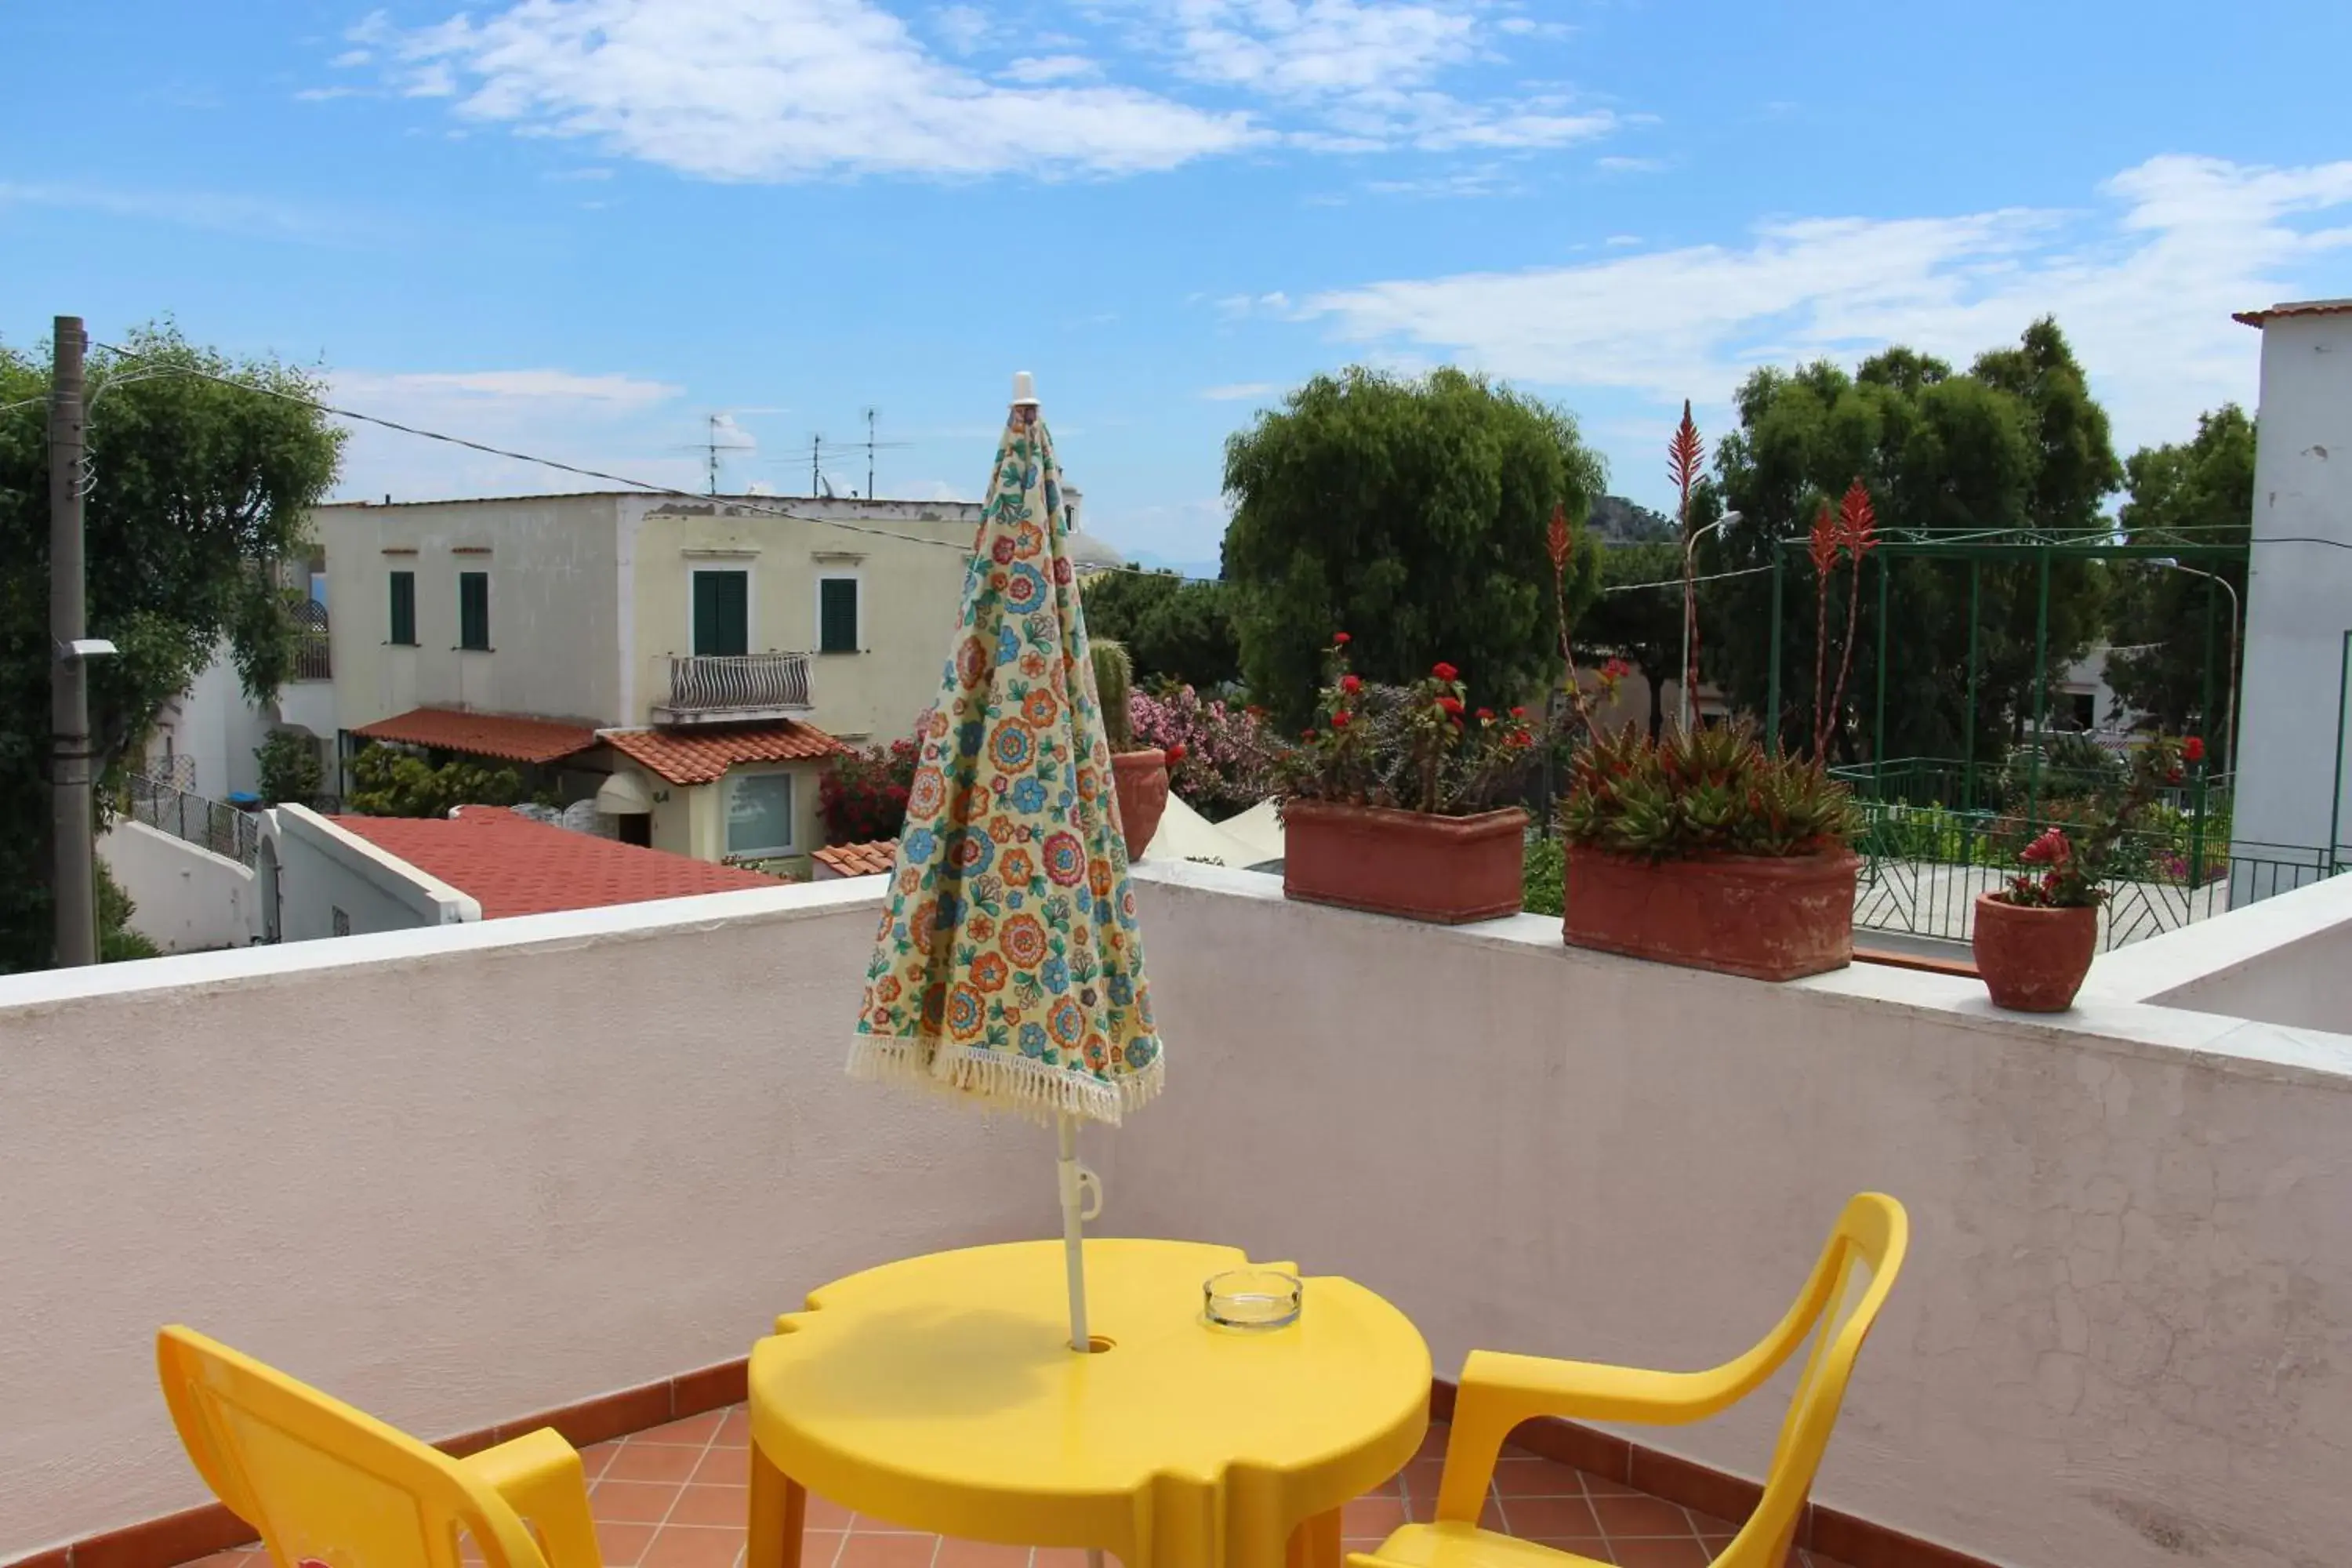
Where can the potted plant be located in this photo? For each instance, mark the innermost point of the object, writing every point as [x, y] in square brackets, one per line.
[1138, 773]
[2034, 940]
[1702, 847]
[1391, 802]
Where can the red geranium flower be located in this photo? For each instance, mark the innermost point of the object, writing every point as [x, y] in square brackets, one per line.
[2192, 750]
[1616, 669]
[1339, 639]
[1175, 754]
[1341, 720]
[2050, 849]
[1453, 705]
[1351, 684]
[1518, 713]
[1305, 734]
[1444, 671]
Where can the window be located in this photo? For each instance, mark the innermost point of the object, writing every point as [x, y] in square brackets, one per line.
[723, 614]
[474, 611]
[837, 615]
[759, 814]
[404, 608]
[2085, 705]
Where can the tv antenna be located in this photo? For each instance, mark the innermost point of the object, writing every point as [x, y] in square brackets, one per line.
[819, 486]
[712, 446]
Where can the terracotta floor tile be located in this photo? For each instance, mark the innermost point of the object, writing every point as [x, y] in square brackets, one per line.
[724, 1466]
[1537, 1478]
[819, 1548]
[595, 1457]
[1658, 1551]
[235, 1557]
[1631, 1516]
[685, 1546]
[1433, 1447]
[726, 1507]
[1421, 1507]
[1422, 1476]
[1392, 1486]
[980, 1554]
[1713, 1544]
[825, 1514]
[1551, 1518]
[651, 1462]
[622, 1544]
[630, 1502]
[1708, 1524]
[694, 1431]
[1373, 1516]
[862, 1550]
[734, 1428]
[1602, 1486]
[1060, 1557]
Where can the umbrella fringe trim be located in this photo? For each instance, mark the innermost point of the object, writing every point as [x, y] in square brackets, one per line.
[1024, 1087]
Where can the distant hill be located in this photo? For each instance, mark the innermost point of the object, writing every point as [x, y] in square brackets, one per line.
[1616, 520]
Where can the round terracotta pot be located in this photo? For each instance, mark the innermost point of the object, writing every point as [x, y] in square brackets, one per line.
[1140, 780]
[2034, 961]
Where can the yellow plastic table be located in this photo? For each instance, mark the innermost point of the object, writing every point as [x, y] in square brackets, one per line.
[941, 1394]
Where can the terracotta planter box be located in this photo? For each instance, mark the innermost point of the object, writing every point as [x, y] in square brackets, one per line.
[1764, 917]
[2034, 961]
[1140, 780]
[1446, 870]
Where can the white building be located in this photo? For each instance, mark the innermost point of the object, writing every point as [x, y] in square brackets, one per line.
[2298, 644]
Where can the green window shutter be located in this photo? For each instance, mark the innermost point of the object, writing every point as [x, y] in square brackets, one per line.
[837, 615]
[723, 614]
[474, 610]
[404, 608]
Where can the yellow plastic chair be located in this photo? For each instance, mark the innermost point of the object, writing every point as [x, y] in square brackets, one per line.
[1497, 1391]
[324, 1483]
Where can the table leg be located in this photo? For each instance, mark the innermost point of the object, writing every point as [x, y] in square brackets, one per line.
[1314, 1544]
[779, 1515]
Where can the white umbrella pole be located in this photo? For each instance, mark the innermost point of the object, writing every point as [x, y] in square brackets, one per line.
[1074, 1182]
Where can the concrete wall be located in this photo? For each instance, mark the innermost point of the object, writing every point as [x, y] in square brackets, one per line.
[320, 869]
[2298, 597]
[909, 590]
[2126, 1331]
[454, 1177]
[187, 898]
[2287, 960]
[554, 606]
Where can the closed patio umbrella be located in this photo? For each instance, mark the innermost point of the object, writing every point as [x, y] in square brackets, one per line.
[1008, 969]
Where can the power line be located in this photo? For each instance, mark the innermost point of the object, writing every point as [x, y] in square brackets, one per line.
[1677, 582]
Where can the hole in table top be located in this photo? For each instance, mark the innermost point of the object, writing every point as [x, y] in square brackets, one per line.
[1098, 1343]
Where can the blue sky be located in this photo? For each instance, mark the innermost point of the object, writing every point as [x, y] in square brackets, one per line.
[582, 227]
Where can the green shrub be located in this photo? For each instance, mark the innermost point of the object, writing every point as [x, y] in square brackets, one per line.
[1545, 872]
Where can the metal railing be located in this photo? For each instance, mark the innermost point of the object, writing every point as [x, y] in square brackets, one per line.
[312, 660]
[710, 688]
[209, 824]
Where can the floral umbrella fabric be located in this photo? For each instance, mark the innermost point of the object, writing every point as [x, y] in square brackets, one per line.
[1008, 967]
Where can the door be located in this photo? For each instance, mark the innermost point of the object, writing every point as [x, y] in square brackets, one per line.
[723, 614]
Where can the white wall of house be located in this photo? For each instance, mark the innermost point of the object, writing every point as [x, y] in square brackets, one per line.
[331, 882]
[212, 724]
[187, 898]
[2298, 597]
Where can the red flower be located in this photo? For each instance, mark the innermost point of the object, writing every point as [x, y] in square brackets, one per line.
[1340, 639]
[1175, 754]
[2050, 849]
[1351, 684]
[1342, 720]
[2192, 750]
[1444, 671]
[1305, 734]
[1616, 669]
[1452, 705]
[1518, 713]
[1485, 715]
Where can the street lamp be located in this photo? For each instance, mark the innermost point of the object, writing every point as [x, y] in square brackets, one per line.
[1690, 608]
[2230, 721]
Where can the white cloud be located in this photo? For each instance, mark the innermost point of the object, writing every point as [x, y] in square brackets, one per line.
[619, 423]
[223, 212]
[1620, 241]
[351, 58]
[2144, 287]
[783, 89]
[1241, 391]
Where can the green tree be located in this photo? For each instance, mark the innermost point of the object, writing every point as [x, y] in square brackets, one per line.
[388, 781]
[1174, 628]
[1641, 624]
[2199, 491]
[290, 768]
[2013, 446]
[197, 489]
[1411, 514]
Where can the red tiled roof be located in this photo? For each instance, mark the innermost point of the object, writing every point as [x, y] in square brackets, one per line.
[873, 860]
[700, 756]
[513, 866]
[501, 735]
[2308, 307]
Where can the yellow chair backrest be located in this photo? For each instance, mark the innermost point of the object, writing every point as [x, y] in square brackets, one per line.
[1836, 1308]
[321, 1482]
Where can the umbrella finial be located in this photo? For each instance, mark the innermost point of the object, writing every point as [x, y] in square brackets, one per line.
[1024, 390]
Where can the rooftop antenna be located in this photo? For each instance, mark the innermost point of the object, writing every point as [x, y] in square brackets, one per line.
[712, 446]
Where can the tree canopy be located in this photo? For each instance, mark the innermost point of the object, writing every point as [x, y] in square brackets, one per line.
[1410, 513]
[2016, 443]
[2199, 491]
[1175, 629]
[197, 490]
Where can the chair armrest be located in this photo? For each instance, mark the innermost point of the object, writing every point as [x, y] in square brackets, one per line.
[541, 1477]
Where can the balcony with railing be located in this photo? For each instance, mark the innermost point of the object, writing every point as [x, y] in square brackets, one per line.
[2124, 1337]
[313, 655]
[733, 688]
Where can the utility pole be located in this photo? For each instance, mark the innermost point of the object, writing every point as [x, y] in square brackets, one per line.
[75, 880]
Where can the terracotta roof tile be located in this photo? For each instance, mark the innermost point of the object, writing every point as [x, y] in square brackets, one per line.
[874, 859]
[2307, 308]
[513, 866]
[501, 735]
[702, 755]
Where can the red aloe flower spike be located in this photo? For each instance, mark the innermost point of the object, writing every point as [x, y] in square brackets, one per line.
[1558, 540]
[1825, 542]
[1684, 453]
[1858, 529]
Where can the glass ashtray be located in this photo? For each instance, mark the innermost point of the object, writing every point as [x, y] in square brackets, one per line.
[1252, 1298]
